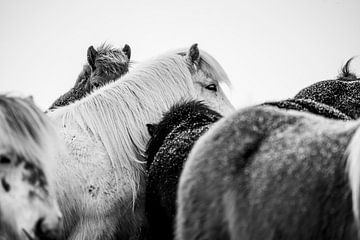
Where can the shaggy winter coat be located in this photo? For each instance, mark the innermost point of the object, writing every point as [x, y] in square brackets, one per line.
[104, 65]
[170, 143]
[266, 173]
[336, 99]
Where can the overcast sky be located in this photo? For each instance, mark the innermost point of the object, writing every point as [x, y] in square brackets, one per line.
[270, 49]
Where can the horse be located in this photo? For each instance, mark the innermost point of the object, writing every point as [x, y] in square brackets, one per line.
[104, 65]
[170, 143]
[268, 173]
[102, 181]
[337, 98]
[28, 143]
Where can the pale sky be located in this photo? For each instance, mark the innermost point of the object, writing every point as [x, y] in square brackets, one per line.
[270, 49]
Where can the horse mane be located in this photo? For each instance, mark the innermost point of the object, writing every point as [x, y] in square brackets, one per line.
[209, 65]
[345, 73]
[112, 60]
[27, 131]
[188, 111]
[142, 96]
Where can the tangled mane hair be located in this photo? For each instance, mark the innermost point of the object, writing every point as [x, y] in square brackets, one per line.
[190, 110]
[104, 65]
[112, 60]
[27, 131]
[345, 73]
[116, 114]
[109, 61]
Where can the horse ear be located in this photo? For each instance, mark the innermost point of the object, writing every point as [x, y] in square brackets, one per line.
[127, 51]
[30, 98]
[91, 57]
[151, 129]
[194, 54]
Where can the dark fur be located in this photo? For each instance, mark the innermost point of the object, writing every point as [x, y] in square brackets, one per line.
[168, 148]
[101, 68]
[266, 173]
[311, 106]
[341, 94]
[336, 99]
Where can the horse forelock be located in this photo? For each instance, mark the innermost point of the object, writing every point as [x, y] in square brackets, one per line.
[26, 131]
[118, 112]
[112, 60]
[210, 66]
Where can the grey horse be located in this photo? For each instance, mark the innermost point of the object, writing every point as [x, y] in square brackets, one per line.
[267, 173]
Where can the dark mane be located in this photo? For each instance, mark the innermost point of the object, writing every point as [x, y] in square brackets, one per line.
[107, 64]
[185, 111]
[112, 60]
[345, 73]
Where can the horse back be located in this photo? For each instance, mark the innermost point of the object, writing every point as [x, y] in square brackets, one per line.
[268, 174]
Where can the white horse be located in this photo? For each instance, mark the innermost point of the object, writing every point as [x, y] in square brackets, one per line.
[28, 142]
[101, 177]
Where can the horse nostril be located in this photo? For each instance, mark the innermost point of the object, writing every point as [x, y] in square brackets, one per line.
[44, 230]
[39, 229]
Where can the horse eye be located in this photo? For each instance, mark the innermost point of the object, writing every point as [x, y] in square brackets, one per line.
[4, 160]
[211, 87]
[5, 185]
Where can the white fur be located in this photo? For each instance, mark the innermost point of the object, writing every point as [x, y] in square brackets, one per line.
[106, 137]
[26, 133]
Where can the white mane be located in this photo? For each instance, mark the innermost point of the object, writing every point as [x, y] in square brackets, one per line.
[115, 114]
[27, 132]
[210, 66]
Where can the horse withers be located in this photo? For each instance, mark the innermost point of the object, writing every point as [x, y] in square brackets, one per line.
[28, 144]
[104, 65]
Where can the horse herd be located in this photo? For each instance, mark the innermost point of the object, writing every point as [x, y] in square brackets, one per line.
[155, 150]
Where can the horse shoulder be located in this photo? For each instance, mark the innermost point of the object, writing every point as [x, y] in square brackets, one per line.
[85, 176]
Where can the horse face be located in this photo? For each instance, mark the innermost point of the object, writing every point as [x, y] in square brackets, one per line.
[207, 83]
[107, 65]
[25, 201]
[212, 93]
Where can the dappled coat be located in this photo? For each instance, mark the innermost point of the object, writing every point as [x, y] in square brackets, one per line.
[337, 99]
[170, 143]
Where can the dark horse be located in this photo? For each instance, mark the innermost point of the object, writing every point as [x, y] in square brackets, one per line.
[267, 173]
[104, 65]
[337, 99]
[171, 141]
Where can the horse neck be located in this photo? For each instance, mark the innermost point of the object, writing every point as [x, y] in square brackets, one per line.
[117, 114]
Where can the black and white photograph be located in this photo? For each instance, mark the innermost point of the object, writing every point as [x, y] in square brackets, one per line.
[180, 120]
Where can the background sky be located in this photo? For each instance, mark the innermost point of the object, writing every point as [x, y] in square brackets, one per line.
[270, 49]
